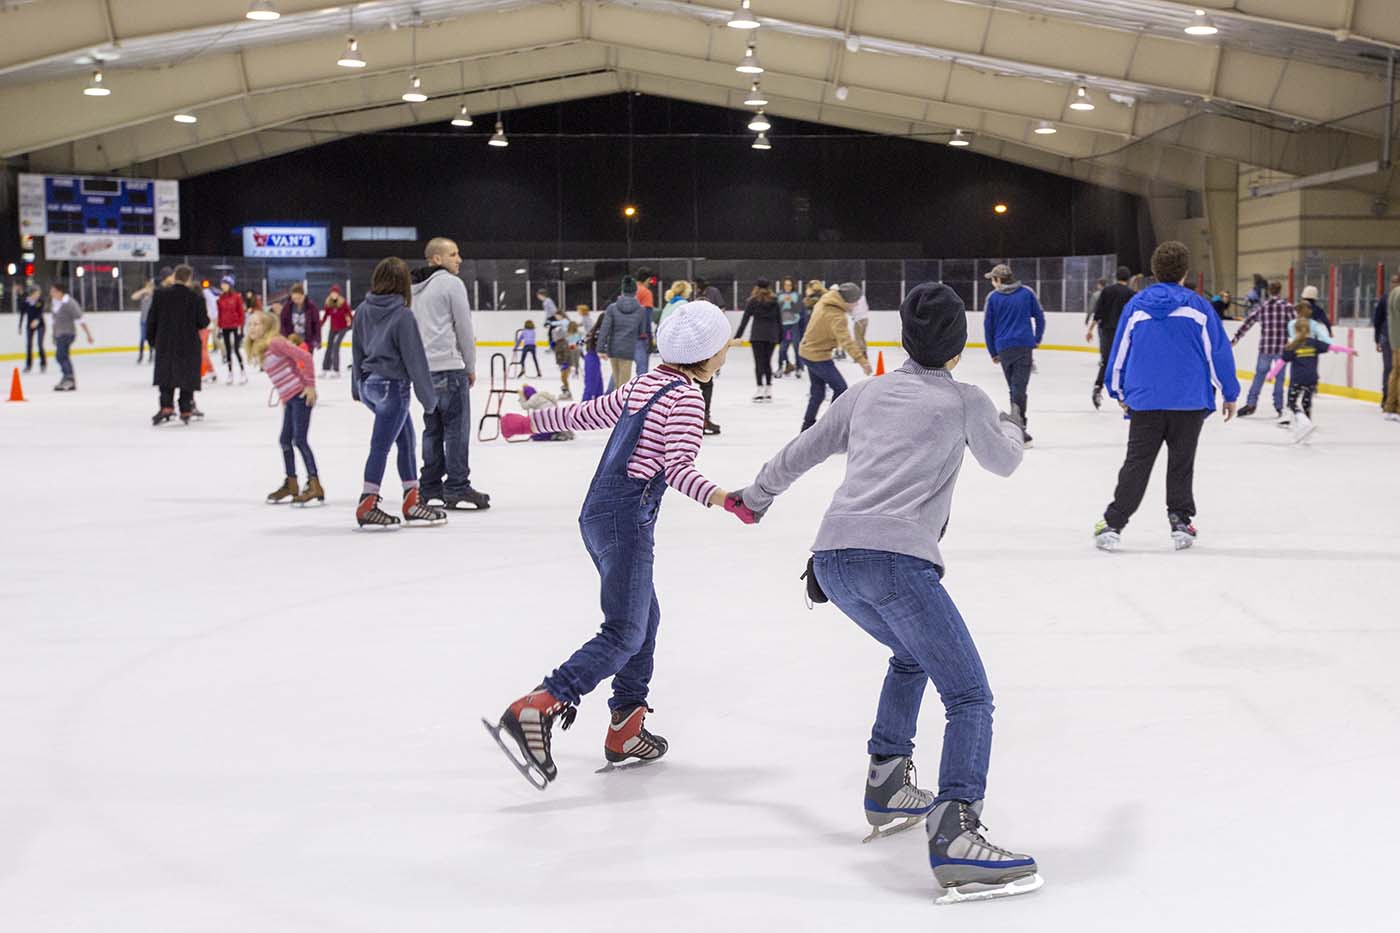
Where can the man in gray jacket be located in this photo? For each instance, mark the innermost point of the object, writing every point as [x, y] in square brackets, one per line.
[623, 323]
[444, 316]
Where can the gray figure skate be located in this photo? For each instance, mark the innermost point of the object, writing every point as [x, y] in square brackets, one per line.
[969, 867]
[891, 794]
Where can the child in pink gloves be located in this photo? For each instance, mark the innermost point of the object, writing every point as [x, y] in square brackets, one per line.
[656, 421]
[1303, 352]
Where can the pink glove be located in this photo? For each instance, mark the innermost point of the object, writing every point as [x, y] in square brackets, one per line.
[1276, 368]
[514, 425]
[734, 502]
[1338, 348]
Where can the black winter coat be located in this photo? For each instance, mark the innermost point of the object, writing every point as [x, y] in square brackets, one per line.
[177, 316]
[767, 320]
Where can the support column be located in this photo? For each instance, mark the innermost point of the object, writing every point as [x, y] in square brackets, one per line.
[1222, 205]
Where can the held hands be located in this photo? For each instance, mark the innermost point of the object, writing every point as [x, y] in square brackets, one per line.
[513, 425]
[734, 502]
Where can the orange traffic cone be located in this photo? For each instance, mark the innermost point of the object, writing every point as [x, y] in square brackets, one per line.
[16, 390]
[880, 364]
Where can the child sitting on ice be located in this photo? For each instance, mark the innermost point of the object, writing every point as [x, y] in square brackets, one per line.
[1303, 352]
[531, 399]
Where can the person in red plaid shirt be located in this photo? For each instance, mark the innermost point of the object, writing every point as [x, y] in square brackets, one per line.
[1274, 315]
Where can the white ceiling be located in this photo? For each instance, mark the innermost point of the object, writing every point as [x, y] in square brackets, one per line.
[1292, 85]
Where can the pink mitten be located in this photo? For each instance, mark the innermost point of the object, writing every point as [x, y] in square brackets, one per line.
[514, 425]
[734, 502]
[1338, 348]
[1276, 368]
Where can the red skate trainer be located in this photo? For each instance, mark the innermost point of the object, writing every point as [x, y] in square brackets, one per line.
[528, 722]
[629, 738]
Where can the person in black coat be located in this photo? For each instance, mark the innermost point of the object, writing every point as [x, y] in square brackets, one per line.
[177, 316]
[762, 309]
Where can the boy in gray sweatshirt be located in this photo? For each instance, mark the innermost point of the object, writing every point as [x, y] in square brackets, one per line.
[876, 556]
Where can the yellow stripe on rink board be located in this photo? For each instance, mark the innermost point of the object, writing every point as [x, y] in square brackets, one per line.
[1364, 395]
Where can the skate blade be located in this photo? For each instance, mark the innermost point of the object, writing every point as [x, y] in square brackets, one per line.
[880, 832]
[536, 778]
[1011, 889]
[416, 523]
[625, 765]
[1182, 541]
[371, 526]
[1107, 544]
[312, 504]
[1304, 436]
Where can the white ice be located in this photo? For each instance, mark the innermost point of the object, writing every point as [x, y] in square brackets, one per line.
[217, 715]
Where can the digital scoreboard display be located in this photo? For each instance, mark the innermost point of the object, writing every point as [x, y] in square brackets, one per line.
[96, 217]
[100, 205]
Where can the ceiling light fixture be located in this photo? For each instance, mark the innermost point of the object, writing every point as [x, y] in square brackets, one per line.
[755, 98]
[463, 118]
[759, 123]
[960, 139]
[1081, 99]
[185, 118]
[351, 57]
[842, 92]
[1000, 208]
[414, 94]
[1045, 128]
[761, 142]
[95, 87]
[743, 18]
[1201, 25]
[498, 138]
[750, 65]
[262, 11]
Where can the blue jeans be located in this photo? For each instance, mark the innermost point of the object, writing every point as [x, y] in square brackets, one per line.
[296, 422]
[1016, 366]
[900, 602]
[618, 524]
[1261, 372]
[330, 362]
[61, 344]
[823, 373]
[446, 432]
[388, 399]
[34, 339]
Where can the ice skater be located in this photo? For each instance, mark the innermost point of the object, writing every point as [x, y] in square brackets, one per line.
[656, 422]
[1169, 357]
[67, 317]
[176, 326]
[525, 347]
[1302, 354]
[877, 558]
[292, 370]
[232, 314]
[1013, 325]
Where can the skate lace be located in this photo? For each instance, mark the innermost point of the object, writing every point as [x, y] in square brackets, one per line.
[973, 826]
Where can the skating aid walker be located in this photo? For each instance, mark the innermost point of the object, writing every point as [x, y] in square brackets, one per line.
[495, 398]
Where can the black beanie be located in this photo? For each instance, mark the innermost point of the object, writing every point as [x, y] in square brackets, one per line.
[934, 322]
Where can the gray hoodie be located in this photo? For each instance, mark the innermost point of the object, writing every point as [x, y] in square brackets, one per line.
[384, 342]
[903, 435]
[444, 316]
[622, 325]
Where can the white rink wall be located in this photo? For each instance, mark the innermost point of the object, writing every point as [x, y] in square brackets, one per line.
[1358, 376]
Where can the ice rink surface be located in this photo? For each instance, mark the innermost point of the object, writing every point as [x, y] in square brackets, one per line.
[217, 715]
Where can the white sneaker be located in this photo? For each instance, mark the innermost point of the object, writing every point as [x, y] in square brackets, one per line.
[243, 377]
[228, 380]
[1303, 429]
[758, 394]
[768, 393]
[1392, 416]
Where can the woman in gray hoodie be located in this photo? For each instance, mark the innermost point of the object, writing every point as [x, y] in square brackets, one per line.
[624, 321]
[388, 357]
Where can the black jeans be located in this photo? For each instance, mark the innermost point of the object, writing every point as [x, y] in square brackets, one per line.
[331, 361]
[1105, 347]
[167, 399]
[763, 361]
[1386, 362]
[1016, 366]
[707, 391]
[35, 339]
[231, 348]
[1301, 395]
[1180, 430]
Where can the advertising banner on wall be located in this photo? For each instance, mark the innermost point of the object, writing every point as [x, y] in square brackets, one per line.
[84, 247]
[282, 241]
[103, 216]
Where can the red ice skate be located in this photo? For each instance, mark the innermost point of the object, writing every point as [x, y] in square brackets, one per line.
[529, 721]
[628, 738]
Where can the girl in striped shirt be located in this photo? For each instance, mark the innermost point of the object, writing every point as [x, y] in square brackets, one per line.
[656, 421]
[293, 373]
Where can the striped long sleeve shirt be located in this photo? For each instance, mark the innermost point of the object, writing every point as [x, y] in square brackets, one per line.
[670, 439]
[291, 369]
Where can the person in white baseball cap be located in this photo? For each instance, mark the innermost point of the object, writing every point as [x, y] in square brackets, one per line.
[656, 422]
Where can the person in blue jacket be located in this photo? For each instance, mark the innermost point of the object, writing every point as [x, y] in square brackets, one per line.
[1169, 356]
[1013, 325]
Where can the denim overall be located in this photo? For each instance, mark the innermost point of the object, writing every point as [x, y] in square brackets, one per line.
[618, 524]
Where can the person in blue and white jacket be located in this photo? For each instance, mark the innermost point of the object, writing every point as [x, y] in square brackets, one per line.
[1169, 357]
[1013, 325]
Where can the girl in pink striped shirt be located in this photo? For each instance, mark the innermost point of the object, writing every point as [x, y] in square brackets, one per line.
[656, 421]
[293, 373]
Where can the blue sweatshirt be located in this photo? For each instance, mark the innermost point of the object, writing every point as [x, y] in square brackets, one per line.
[1014, 319]
[1171, 353]
[385, 342]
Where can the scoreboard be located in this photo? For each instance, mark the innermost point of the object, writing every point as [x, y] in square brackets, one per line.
[95, 217]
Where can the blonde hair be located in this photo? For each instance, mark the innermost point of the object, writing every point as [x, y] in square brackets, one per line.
[680, 287]
[255, 350]
[1302, 330]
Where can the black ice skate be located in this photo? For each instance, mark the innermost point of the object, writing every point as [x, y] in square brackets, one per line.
[969, 867]
[163, 416]
[469, 501]
[892, 793]
[528, 722]
[629, 744]
[1098, 397]
[1183, 532]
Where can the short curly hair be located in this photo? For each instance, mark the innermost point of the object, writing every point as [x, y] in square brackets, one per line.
[1170, 261]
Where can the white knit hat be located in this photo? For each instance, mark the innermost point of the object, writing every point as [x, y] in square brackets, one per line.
[692, 333]
[1309, 291]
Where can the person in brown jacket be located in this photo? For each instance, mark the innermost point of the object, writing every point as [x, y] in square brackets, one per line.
[827, 330]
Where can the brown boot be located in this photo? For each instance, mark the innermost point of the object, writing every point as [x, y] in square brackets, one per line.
[284, 493]
[313, 494]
